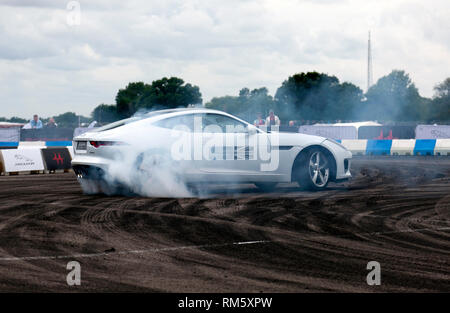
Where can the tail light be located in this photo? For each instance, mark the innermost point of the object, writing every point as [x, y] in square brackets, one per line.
[97, 144]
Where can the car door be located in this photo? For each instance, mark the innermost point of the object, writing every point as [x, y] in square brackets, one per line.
[230, 150]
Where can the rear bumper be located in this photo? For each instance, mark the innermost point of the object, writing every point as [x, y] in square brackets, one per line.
[89, 167]
[90, 160]
[89, 172]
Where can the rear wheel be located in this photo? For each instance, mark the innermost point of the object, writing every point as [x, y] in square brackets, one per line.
[266, 187]
[315, 170]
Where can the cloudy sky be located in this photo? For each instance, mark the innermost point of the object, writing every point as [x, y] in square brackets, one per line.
[48, 66]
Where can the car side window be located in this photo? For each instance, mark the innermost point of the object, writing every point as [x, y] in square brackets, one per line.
[180, 122]
[221, 123]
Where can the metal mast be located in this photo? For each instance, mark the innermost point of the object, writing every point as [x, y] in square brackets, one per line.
[369, 64]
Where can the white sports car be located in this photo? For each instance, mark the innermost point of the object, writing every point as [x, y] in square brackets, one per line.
[193, 146]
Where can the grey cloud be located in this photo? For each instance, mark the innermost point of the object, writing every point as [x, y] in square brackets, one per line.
[220, 45]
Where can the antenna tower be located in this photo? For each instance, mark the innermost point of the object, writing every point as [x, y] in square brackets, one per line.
[369, 64]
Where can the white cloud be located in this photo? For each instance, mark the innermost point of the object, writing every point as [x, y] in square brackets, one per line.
[49, 68]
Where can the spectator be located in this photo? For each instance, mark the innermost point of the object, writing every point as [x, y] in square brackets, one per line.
[291, 123]
[51, 123]
[259, 121]
[272, 119]
[36, 123]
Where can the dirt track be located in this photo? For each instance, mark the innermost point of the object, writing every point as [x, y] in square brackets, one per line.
[394, 211]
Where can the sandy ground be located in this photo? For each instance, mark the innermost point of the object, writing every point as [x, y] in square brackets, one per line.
[395, 211]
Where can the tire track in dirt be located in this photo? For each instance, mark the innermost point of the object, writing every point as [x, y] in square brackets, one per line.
[396, 212]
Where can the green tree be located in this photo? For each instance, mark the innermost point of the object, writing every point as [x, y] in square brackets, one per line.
[395, 98]
[247, 105]
[316, 96]
[164, 93]
[105, 113]
[257, 101]
[16, 119]
[229, 104]
[127, 99]
[442, 90]
[68, 119]
[169, 93]
[440, 105]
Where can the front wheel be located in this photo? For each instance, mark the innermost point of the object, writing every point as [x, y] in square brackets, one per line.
[315, 170]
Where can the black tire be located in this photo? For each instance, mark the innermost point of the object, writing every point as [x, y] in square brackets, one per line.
[266, 187]
[314, 170]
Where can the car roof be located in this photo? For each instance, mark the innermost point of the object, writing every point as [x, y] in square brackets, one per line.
[160, 115]
[195, 109]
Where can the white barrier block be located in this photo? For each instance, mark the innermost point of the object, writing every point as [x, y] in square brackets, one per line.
[31, 144]
[2, 167]
[442, 147]
[403, 146]
[17, 160]
[70, 148]
[356, 146]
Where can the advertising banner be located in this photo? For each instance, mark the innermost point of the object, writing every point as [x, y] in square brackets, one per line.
[333, 132]
[18, 160]
[433, 131]
[10, 134]
[56, 158]
[46, 134]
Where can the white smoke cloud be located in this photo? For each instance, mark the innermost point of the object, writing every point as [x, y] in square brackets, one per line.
[157, 161]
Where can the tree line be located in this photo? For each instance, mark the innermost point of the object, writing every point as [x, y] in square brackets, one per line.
[303, 97]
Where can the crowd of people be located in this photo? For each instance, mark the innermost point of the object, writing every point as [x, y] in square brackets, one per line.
[271, 120]
[36, 123]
